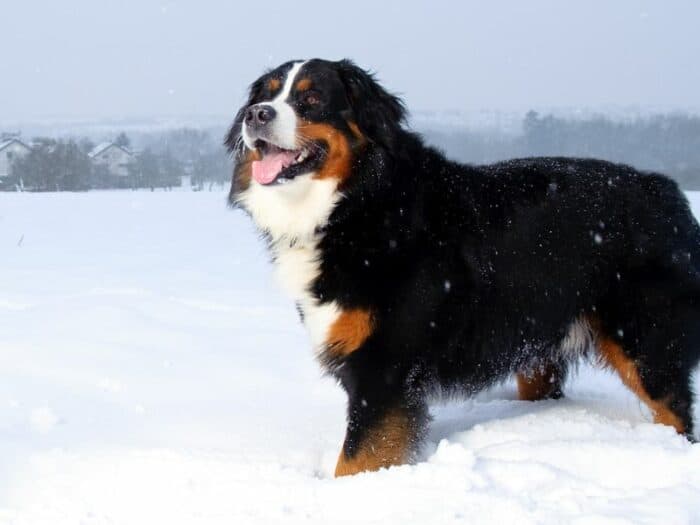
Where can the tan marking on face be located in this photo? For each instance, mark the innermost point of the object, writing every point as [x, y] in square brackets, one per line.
[614, 356]
[339, 152]
[361, 139]
[385, 445]
[303, 84]
[538, 384]
[242, 173]
[273, 84]
[347, 333]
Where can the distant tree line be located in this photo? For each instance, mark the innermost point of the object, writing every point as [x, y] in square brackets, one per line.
[53, 165]
[165, 162]
[668, 144]
[200, 152]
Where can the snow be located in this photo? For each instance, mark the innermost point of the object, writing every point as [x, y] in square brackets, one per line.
[153, 373]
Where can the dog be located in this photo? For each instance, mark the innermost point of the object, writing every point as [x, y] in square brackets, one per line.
[418, 276]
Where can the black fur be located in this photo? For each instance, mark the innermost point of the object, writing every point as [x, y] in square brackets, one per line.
[476, 272]
[378, 113]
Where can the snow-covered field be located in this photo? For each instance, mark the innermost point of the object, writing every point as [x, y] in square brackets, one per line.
[151, 372]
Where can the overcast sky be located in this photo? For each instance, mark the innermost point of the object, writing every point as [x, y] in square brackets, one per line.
[138, 58]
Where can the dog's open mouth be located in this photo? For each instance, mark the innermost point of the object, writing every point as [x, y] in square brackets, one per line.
[278, 165]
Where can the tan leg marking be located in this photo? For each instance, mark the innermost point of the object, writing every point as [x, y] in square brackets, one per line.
[614, 356]
[537, 384]
[385, 445]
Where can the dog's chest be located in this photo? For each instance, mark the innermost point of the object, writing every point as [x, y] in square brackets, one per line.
[297, 267]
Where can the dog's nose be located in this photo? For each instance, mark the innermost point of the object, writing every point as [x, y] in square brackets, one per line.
[259, 115]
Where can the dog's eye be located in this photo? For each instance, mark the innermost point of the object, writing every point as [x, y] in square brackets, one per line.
[311, 99]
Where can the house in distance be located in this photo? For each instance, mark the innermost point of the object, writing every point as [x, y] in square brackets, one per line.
[11, 148]
[114, 157]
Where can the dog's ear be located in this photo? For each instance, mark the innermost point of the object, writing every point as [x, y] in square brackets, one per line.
[232, 140]
[378, 113]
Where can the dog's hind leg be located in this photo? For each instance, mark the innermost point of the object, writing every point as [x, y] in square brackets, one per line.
[655, 350]
[665, 391]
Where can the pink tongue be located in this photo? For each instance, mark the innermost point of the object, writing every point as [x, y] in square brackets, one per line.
[267, 169]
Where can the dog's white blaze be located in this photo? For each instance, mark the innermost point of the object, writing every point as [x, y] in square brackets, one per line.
[293, 209]
[578, 339]
[283, 129]
[289, 82]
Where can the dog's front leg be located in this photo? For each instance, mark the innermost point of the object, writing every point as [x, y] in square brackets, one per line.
[381, 432]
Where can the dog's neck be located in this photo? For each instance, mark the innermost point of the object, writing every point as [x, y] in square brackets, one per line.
[292, 214]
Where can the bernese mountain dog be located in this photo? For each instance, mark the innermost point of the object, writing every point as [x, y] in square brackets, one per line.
[417, 276]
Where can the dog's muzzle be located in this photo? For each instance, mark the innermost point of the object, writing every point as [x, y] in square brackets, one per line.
[258, 116]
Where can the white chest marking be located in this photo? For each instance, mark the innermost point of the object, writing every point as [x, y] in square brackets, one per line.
[291, 214]
[293, 210]
[296, 269]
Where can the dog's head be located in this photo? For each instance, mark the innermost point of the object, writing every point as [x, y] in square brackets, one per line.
[295, 140]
